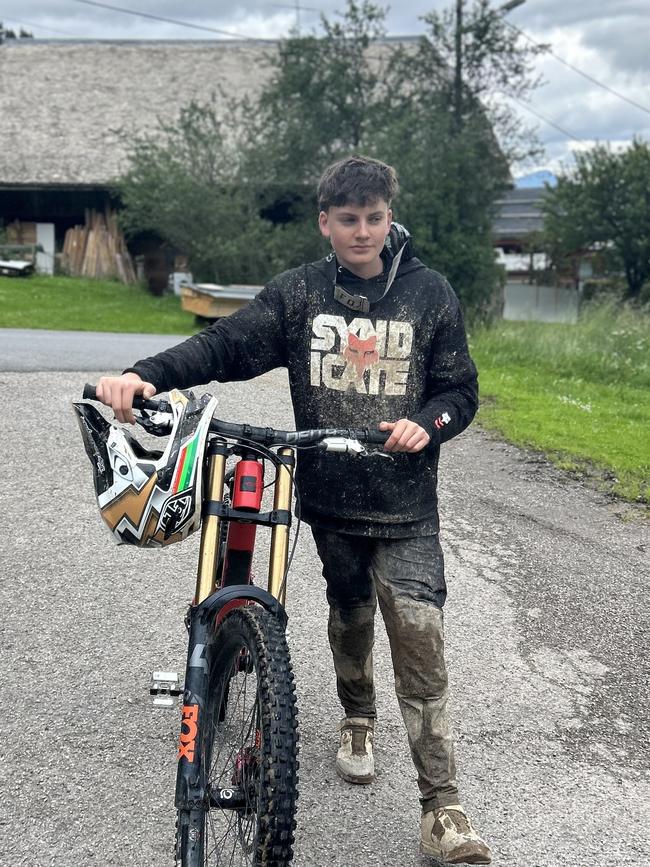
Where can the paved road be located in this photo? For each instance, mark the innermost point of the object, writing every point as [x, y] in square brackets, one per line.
[30, 349]
[547, 630]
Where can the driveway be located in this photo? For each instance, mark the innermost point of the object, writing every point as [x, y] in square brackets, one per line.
[547, 642]
[36, 349]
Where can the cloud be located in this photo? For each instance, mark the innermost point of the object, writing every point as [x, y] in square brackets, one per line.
[549, 14]
[623, 43]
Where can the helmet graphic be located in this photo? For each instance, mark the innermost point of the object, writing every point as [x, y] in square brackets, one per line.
[149, 498]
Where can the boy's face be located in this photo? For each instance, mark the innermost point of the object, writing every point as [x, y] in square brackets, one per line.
[357, 234]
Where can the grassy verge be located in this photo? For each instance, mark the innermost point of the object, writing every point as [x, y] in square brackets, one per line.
[70, 303]
[579, 393]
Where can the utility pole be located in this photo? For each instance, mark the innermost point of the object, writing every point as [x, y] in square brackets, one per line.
[458, 66]
[458, 73]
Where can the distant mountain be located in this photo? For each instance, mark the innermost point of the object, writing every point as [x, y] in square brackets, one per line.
[536, 179]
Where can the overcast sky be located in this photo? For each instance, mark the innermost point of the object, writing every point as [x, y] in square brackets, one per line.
[607, 39]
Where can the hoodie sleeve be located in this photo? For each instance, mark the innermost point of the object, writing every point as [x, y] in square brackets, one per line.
[246, 344]
[452, 377]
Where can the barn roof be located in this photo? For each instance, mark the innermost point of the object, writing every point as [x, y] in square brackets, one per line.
[63, 101]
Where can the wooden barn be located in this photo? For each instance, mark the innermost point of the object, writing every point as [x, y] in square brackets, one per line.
[63, 104]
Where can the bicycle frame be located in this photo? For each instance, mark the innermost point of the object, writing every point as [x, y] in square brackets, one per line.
[211, 603]
[220, 647]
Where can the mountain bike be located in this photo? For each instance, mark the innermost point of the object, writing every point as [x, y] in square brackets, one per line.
[237, 776]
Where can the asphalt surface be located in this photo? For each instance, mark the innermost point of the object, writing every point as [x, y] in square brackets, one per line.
[547, 647]
[29, 349]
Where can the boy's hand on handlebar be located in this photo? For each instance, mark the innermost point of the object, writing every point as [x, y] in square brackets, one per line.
[406, 436]
[118, 392]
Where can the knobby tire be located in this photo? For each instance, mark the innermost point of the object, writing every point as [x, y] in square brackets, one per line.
[250, 740]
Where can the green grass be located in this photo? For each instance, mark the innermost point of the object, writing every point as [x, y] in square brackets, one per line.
[76, 304]
[579, 393]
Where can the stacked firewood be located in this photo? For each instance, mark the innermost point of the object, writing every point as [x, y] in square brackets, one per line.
[98, 249]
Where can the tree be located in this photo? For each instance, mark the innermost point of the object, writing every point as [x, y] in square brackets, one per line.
[456, 138]
[322, 97]
[428, 109]
[604, 203]
[434, 110]
[11, 34]
[184, 184]
[476, 58]
[321, 102]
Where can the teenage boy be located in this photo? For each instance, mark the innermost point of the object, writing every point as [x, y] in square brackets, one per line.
[370, 336]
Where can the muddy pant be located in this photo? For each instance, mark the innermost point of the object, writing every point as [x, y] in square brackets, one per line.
[407, 576]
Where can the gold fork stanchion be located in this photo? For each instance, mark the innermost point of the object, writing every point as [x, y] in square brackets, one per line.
[280, 532]
[211, 528]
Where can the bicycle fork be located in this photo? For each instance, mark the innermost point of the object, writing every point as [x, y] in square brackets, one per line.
[191, 795]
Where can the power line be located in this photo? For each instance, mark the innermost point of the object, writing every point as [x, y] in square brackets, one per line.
[580, 71]
[167, 20]
[546, 120]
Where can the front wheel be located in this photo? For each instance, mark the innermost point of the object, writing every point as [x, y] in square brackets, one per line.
[249, 747]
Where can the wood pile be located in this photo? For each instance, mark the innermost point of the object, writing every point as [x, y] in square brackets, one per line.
[98, 249]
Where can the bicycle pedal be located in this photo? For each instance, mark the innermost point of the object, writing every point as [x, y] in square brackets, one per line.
[165, 687]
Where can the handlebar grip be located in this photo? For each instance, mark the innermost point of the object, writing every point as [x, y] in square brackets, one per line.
[376, 437]
[139, 402]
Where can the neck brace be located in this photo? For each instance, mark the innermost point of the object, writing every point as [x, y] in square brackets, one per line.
[359, 303]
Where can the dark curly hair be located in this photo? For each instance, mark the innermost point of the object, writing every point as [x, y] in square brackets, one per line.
[356, 180]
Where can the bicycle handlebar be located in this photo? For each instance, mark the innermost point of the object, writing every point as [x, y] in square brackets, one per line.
[263, 435]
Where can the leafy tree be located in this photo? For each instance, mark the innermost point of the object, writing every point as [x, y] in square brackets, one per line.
[184, 184]
[604, 204]
[238, 194]
[453, 137]
[7, 33]
[435, 110]
[477, 61]
[321, 100]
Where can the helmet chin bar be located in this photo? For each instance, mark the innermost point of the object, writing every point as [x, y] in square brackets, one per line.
[150, 498]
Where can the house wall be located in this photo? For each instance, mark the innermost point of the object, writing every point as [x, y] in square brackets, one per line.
[526, 302]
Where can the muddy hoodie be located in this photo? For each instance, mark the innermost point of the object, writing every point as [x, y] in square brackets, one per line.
[406, 357]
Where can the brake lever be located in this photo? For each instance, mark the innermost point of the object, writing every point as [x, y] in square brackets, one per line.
[352, 446]
[378, 453]
[157, 423]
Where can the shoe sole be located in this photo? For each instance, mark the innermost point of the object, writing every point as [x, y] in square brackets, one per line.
[461, 856]
[356, 781]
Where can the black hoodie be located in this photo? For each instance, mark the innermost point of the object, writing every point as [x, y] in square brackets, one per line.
[406, 358]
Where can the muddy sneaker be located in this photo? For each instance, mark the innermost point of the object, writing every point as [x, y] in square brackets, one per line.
[447, 834]
[355, 762]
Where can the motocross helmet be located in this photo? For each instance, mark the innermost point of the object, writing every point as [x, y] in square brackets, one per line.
[149, 498]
